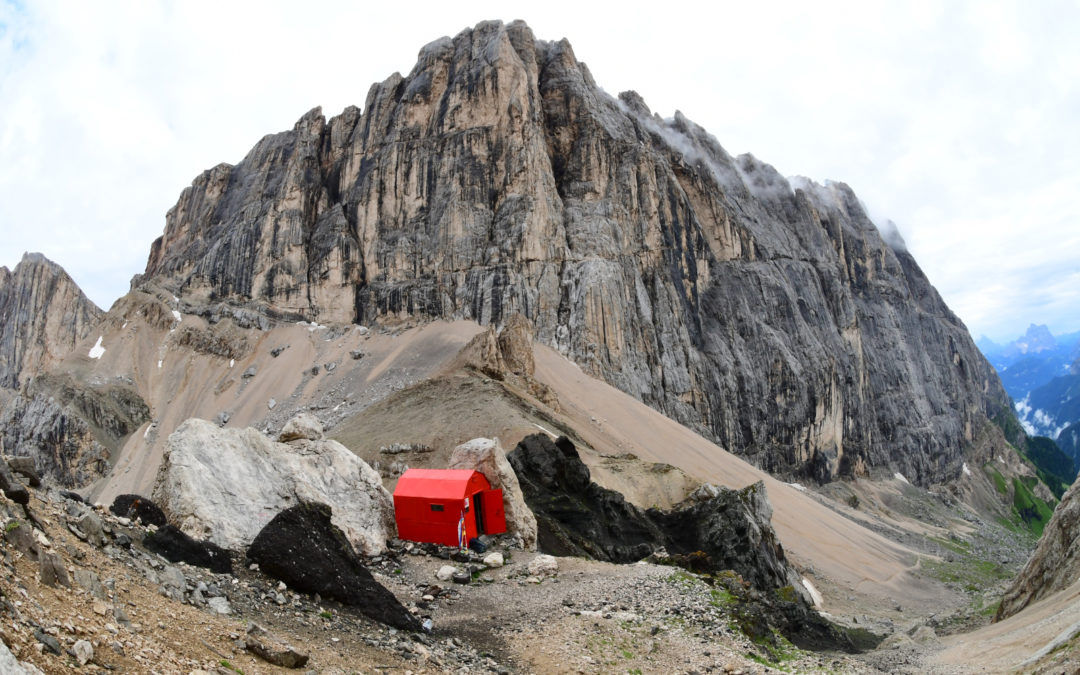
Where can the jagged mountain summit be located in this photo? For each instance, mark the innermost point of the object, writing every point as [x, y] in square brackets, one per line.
[43, 314]
[497, 177]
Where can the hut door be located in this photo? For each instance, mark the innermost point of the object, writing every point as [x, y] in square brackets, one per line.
[494, 517]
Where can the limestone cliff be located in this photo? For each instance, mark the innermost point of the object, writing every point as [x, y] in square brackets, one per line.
[43, 314]
[497, 177]
[1055, 564]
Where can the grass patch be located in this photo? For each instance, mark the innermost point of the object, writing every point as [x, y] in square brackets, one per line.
[999, 480]
[1034, 512]
[722, 597]
[326, 615]
[970, 574]
[13, 525]
[228, 666]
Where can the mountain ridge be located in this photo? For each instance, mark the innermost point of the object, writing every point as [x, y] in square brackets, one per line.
[497, 177]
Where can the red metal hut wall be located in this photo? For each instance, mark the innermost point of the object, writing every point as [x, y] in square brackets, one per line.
[432, 505]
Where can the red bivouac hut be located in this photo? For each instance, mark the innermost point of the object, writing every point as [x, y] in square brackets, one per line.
[447, 506]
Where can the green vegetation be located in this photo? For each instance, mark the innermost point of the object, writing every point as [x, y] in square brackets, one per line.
[13, 525]
[228, 666]
[326, 615]
[1053, 466]
[853, 501]
[722, 597]
[1005, 419]
[999, 480]
[682, 580]
[968, 573]
[1034, 512]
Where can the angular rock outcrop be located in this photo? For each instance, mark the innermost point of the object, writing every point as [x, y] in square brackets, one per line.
[726, 529]
[498, 178]
[574, 515]
[1055, 563]
[68, 427]
[43, 315]
[302, 547]
[224, 485]
[176, 546]
[487, 456]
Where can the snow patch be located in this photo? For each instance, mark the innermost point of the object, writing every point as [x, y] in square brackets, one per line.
[232, 362]
[124, 326]
[97, 350]
[544, 430]
[967, 471]
[177, 315]
[159, 363]
[818, 600]
[900, 477]
[311, 326]
[801, 488]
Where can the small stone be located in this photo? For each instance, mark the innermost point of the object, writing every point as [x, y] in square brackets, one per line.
[543, 565]
[51, 644]
[250, 372]
[51, 570]
[272, 650]
[494, 559]
[330, 366]
[84, 651]
[271, 404]
[356, 354]
[445, 573]
[461, 578]
[88, 580]
[100, 608]
[219, 605]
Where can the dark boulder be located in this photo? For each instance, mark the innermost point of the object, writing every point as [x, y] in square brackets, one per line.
[73, 496]
[176, 546]
[301, 547]
[12, 486]
[24, 466]
[574, 515]
[734, 529]
[139, 507]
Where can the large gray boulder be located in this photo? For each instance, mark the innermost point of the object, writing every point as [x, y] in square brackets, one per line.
[224, 485]
[487, 456]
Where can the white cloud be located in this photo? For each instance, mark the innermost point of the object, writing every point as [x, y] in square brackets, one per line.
[955, 120]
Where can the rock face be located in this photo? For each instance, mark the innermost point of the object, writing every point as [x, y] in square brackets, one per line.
[67, 428]
[303, 548]
[1055, 564]
[44, 315]
[487, 456]
[224, 485]
[498, 178]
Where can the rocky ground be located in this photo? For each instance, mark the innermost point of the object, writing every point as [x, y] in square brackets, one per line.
[123, 609]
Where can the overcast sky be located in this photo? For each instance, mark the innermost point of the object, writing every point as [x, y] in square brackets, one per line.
[960, 121]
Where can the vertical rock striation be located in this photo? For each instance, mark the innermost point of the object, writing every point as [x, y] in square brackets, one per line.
[43, 314]
[498, 178]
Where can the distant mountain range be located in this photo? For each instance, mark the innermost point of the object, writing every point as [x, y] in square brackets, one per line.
[1041, 372]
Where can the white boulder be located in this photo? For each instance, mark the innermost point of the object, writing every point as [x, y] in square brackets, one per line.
[543, 565]
[494, 559]
[304, 426]
[225, 485]
[445, 573]
[487, 456]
